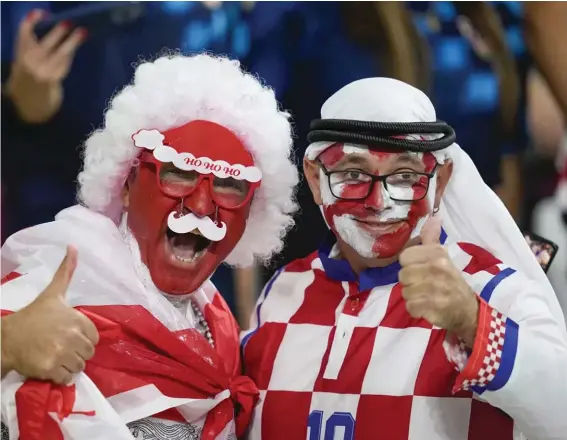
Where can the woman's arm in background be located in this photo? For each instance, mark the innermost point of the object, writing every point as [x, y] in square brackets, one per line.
[246, 291]
[545, 29]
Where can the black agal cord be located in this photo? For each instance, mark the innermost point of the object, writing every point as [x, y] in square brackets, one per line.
[380, 134]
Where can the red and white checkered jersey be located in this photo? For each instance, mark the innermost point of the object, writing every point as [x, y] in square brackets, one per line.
[337, 356]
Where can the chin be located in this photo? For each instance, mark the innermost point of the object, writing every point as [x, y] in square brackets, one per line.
[175, 286]
[387, 253]
[181, 263]
[181, 277]
[391, 246]
[382, 247]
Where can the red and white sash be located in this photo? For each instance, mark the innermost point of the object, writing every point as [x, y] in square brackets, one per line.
[148, 363]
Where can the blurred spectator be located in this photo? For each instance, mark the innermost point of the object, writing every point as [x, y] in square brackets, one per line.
[479, 66]
[545, 118]
[53, 95]
[39, 164]
[546, 24]
[550, 221]
[39, 68]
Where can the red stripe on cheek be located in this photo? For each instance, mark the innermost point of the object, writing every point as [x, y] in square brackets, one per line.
[341, 207]
[356, 191]
[429, 161]
[417, 211]
[388, 245]
[332, 155]
[329, 215]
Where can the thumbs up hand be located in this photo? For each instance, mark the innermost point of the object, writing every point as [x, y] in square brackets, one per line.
[434, 289]
[48, 339]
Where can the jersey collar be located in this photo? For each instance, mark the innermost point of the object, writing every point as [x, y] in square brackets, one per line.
[340, 270]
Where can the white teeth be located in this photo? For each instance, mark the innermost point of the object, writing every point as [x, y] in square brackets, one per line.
[190, 260]
[184, 260]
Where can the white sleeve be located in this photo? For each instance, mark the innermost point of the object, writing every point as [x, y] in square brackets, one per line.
[519, 359]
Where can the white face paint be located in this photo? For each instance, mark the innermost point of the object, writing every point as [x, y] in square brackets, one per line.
[354, 149]
[393, 209]
[349, 229]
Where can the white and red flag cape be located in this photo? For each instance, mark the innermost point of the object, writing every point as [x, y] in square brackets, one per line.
[150, 361]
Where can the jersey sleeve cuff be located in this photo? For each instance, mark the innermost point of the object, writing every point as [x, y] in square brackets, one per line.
[490, 364]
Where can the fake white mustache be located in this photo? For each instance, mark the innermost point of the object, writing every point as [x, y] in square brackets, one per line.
[190, 222]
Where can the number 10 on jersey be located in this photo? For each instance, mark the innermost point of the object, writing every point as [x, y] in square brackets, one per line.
[337, 422]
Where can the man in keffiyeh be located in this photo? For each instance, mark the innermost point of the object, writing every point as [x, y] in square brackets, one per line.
[191, 169]
[425, 315]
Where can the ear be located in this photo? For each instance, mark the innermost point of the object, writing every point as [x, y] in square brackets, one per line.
[125, 194]
[444, 173]
[313, 176]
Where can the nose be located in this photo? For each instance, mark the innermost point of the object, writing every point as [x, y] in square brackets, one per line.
[200, 202]
[378, 198]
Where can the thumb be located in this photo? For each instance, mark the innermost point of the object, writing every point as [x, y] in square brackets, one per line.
[431, 230]
[60, 281]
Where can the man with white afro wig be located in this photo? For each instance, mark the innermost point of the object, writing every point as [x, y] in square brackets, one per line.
[425, 315]
[192, 168]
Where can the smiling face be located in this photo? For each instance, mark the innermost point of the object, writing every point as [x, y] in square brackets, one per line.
[186, 222]
[373, 200]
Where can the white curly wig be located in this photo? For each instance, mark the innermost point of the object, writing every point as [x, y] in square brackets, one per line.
[174, 90]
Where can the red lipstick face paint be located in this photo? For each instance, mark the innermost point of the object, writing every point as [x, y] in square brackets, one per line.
[376, 226]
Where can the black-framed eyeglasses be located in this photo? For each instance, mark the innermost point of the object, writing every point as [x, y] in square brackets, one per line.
[402, 186]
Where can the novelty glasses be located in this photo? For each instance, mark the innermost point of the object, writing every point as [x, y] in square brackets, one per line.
[227, 192]
[401, 186]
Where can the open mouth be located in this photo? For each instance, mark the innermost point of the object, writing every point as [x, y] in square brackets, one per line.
[187, 247]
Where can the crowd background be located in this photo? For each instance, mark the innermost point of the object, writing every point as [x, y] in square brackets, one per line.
[487, 66]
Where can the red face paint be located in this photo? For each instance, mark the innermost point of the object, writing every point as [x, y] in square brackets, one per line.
[149, 209]
[377, 226]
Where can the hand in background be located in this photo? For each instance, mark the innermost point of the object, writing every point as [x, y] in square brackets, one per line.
[49, 340]
[39, 67]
